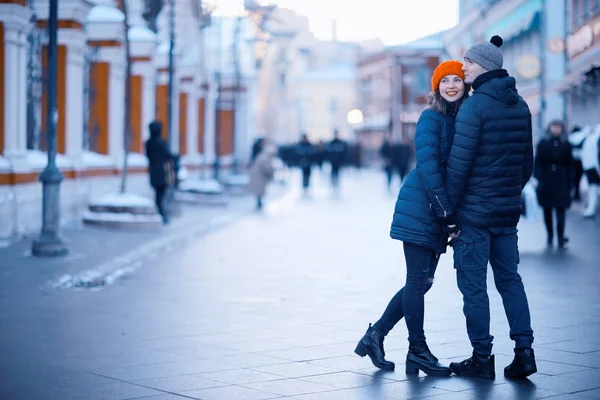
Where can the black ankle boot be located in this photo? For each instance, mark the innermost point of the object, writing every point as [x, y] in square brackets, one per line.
[420, 358]
[523, 364]
[475, 366]
[371, 344]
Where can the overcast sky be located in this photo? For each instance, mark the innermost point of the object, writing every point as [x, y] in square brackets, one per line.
[394, 21]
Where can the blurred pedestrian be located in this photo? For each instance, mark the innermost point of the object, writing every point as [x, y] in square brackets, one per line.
[490, 163]
[554, 171]
[305, 155]
[262, 172]
[576, 141]
[257, 148]
[320, 154]
[336, 153]
[590, 159]
[423, 221]
[386, 151]
[161, 167]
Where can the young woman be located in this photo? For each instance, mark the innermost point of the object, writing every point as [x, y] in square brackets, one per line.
[554, 169]
[423, 220]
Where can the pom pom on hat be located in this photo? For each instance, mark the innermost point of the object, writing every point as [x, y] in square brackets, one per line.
[450, 67]
[497, 41]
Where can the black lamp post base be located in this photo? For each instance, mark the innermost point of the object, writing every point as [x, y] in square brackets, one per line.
[49, 245]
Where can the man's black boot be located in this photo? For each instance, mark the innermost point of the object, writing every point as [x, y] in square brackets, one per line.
[523, 364]
[371, 344]
[475, 366]
[419, 357]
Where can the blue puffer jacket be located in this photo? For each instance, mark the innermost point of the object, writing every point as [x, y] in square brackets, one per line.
[423, 201]
[492, 156]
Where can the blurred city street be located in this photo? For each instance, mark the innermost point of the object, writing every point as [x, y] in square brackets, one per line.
[271, 305]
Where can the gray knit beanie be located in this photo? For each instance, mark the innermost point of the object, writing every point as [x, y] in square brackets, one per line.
[487, 54]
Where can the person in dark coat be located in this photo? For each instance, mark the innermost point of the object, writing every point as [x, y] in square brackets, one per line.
[423, 220]
[490, 162]
[161, 167]
[386, 151]
[577, 165]
[305, 156]
[554, 171]
[336, 153]
[402, 159]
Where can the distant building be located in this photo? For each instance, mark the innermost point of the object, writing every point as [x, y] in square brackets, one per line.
[393, 85]
[533, 33]
[582, 83]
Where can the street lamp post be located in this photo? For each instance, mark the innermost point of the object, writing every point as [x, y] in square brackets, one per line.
[49, 242]
[171, 68]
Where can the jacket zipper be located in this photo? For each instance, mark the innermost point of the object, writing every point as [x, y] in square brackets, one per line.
[438, 199]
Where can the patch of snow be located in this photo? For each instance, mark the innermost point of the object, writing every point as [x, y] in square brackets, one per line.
[193, 159]
[121, 217]
[208, 186]
[91, 159]
[236, 180]
[5, 164]
[38, 159]
[122, 200]
[182, 174]
[141, 34]
[105, 13]
[137, 160]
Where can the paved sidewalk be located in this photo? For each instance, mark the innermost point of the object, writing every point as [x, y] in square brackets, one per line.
[271, 307]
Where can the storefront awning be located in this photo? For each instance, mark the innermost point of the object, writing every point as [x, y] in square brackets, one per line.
[522, 20]
[575, 77]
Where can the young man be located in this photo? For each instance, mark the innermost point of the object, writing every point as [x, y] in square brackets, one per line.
[490, 162]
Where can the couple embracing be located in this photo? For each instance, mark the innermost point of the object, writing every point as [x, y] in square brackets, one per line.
[474, 156]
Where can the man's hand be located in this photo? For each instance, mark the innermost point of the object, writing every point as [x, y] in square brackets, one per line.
[450, 226]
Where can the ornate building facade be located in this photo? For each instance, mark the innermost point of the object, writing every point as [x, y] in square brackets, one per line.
[212, 103]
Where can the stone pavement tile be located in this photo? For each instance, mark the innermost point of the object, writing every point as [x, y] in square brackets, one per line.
[296, 369]
[301, 353]
[496, 392]
[115, 390]
[594, 394]
[573, 347]
[591, 360]
[257, 345]
[289, 387]
[346, 363]
[362, 393]
[179, 383]
[168, 396]
[240, 376]
[347, 380]
[249, 360]
[554, 368]
[564, 384]
[137, 372]
[414, 388]
[196, 367]
[232, 393]
[28, 391]
[204, 351]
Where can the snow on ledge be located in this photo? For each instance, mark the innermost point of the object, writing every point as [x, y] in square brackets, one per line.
[208, 186]
[137, 160]
[5, 165]
[105, 13]
[91, 159]
[236, 180]
[121, 217]
[38, 160]
[122, 200]
[141, 34]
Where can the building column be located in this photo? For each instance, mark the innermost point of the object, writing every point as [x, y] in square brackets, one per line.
[107, 75]
[14, 27]
[143, 46]
[162, 95]
[210, 112]
[190, 117]
[71, 48]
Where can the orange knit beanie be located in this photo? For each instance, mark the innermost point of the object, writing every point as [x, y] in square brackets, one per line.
[450, 67]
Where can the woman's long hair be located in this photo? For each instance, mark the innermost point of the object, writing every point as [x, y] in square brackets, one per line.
[438, 103]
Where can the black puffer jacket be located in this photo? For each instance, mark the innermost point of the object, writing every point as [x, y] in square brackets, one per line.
[491, 159]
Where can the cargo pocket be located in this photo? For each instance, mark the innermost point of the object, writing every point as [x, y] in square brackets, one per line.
[463, 254]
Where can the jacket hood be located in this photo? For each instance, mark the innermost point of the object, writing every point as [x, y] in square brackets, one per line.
[155, 130]
[503, 89]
